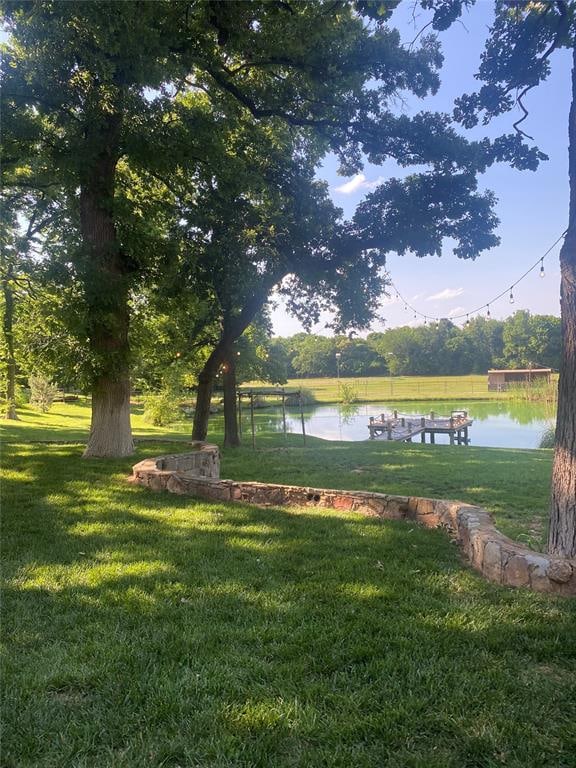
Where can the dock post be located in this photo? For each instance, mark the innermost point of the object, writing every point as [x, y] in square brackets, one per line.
[452, 437]
[389, 429]
[403, 421]
[395, 414]
[432, 438]
[423, 428]
[466, 440]
[432, 415]
[284, 413]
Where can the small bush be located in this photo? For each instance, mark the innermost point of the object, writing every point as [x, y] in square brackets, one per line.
[161, 408]
[547, 438]
[42, 392]
[307, 395]
[348, 394]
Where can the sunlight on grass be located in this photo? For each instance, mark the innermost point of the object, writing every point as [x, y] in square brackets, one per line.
[150, 629]
[58, 578]
[357, 591]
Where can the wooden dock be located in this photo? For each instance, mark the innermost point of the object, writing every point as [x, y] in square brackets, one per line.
[402, 427]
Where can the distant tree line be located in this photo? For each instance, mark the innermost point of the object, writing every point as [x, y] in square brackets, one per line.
[523, 340]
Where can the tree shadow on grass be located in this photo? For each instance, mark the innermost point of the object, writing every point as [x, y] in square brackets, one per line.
[149, 629]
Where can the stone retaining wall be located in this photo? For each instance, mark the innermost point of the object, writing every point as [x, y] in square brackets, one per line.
[500, 559]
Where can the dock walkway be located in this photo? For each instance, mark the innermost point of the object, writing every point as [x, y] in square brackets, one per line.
[403, 427]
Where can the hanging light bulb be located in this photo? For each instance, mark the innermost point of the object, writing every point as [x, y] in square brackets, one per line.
[488, 315]
[542, 273]
[511, 299]
[467, 320]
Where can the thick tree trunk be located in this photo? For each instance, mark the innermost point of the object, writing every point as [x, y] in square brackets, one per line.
[231, 436]
[106, 286]
[562, 530]
[110, 433]
[8, 328]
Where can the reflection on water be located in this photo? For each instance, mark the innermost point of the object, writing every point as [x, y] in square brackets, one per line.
[496, 424]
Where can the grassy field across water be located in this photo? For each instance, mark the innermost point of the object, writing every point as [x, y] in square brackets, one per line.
[397, 388]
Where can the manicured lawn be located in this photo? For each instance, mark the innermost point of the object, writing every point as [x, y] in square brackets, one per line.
[71, 421]
[512, 484]
[145, 629]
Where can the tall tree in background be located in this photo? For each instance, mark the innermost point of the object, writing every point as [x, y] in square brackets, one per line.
[517, 58]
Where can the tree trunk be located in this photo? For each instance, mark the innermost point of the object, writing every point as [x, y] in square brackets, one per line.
[233, 328]
[562, 530]
[106, 287]
[8, 328]
[231, 436]
[205, 388]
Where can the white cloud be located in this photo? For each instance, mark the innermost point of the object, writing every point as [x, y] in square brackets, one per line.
[447, 293]
[456, 311]
[358, 182]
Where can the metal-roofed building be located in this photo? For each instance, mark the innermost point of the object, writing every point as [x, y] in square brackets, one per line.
[501, 379]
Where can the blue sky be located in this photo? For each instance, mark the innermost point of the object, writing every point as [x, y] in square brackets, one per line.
[532, 206]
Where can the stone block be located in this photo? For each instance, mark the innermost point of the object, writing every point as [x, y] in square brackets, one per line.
[177, 485]
[425, 507]
[479, 537]
[516, 572]
[157, 482]
[343, 502]
[492, 561]
[560, 571]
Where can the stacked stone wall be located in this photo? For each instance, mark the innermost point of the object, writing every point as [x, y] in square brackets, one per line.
[497, 557]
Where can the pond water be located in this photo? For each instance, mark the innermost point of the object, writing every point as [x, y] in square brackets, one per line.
[496, 424]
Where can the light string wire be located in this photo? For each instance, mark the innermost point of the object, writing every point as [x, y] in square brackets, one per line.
[485, 305]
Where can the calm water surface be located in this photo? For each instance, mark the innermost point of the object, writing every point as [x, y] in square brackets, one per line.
[496, 424]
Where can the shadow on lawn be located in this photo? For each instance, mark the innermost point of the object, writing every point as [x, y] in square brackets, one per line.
[153, 629]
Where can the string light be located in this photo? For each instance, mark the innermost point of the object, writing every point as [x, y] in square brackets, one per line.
[511, 299]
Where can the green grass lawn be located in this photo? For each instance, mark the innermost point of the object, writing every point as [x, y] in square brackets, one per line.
[397, 388]
[144, 629]
[512, 484]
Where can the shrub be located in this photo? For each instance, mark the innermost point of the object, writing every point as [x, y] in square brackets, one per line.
[161, 408]
[348, 394]
[307, 395]
[42, 392]
[547, 438]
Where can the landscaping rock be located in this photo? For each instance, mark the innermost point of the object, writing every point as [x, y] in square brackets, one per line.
[499, 559]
